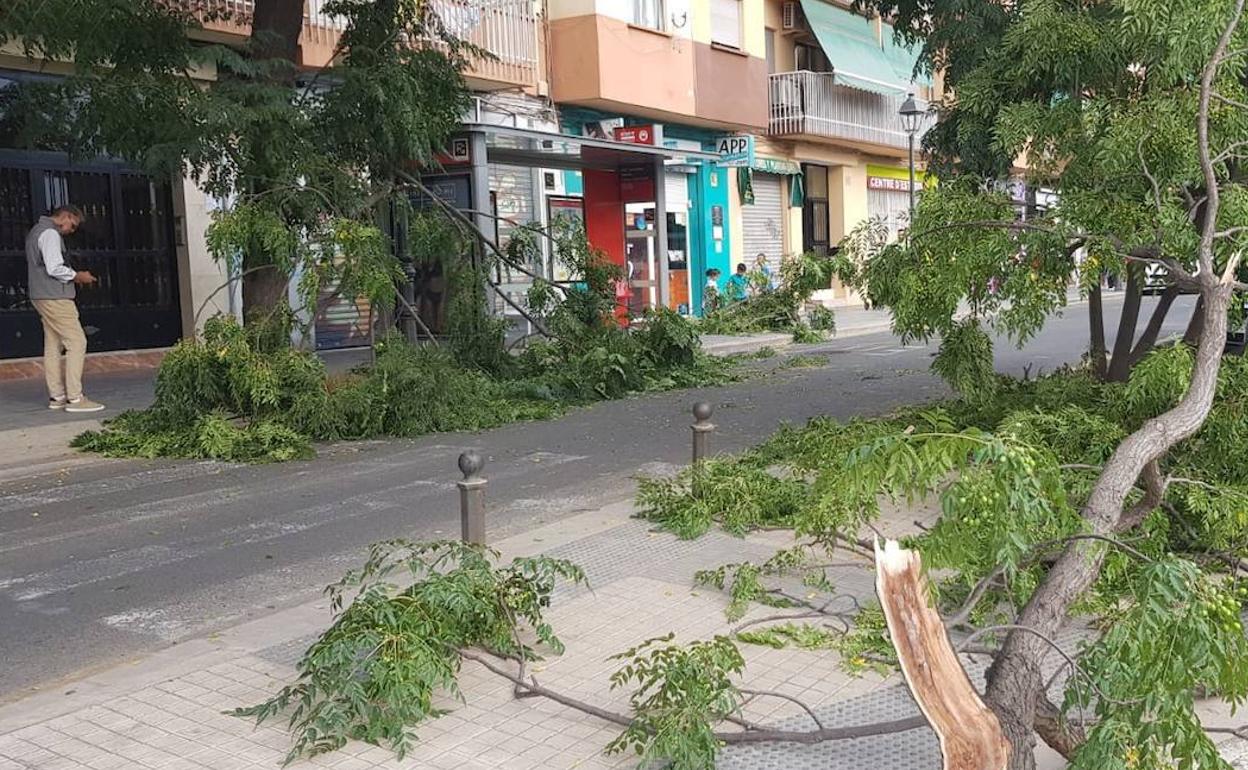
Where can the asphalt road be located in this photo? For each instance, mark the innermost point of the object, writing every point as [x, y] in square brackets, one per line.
[104, 561]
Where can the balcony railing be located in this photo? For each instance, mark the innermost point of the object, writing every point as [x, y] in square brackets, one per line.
[813, 104]
[507, 30]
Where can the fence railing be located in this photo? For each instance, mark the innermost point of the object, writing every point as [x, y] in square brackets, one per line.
[812, 103]
[507, 30]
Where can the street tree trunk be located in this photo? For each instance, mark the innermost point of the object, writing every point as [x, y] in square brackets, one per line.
[1120, 360]
[1096, 331]
[1196, 325]
[275, 28]
[1148, 340]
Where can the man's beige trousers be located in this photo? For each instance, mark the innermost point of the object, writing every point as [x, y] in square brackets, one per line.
[62, 331]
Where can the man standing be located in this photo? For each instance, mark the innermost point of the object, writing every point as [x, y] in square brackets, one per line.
[51, 291]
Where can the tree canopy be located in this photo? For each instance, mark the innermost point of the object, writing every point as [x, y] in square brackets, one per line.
[1102, 101]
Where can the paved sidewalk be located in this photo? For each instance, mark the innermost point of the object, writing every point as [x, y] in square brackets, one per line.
[165, 711]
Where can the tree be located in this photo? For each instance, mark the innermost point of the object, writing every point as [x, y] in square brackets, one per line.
[1097, 103]
[308, 160]
[1136, 114]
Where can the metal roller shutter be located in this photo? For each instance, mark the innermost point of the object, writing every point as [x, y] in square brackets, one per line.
[344, 324]
[762, 223]
[676, 187]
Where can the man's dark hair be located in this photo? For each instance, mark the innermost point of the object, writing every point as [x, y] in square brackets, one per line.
[70, 209]
[712, 271]
[741, 268]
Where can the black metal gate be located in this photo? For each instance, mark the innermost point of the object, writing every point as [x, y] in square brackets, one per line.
[126, 240]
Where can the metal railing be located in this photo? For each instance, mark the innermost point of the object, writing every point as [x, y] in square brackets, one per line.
[812, 103]
[507, 30]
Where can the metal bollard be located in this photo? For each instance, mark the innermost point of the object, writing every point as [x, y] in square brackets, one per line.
[472, 498]
[702, 429]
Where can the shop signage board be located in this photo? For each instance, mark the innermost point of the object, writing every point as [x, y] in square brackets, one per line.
[892, 185]
[737, 150]
[651, 136]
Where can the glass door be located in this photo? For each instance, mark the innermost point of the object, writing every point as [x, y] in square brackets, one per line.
[639, 247]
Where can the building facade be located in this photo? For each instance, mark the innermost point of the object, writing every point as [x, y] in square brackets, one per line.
[687, 135]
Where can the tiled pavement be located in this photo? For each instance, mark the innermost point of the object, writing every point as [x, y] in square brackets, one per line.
[166, 712]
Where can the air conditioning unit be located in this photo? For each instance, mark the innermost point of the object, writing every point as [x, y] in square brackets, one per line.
[792, 20]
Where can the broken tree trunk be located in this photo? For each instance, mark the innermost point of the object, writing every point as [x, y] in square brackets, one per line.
[970, 735]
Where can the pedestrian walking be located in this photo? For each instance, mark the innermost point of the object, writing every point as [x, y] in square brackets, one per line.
[51, 290]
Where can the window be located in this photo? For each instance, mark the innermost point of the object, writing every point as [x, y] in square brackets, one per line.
[811, 58]
[726, 23]
[771, 51]
[649, 14]
[815, 236]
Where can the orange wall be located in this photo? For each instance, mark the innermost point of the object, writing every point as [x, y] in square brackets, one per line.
[598, 60]
[731, 87]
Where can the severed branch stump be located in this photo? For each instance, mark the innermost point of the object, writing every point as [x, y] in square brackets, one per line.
[970, 735]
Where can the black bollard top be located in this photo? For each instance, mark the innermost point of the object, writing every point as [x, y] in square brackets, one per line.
[470, 464]
[702, 411]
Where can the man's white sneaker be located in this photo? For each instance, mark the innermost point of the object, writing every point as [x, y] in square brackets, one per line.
[57, 403]
[84, 404]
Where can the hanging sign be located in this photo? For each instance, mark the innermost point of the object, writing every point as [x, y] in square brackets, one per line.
[735, 150]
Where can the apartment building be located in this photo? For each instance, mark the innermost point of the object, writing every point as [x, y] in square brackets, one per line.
[686, 134]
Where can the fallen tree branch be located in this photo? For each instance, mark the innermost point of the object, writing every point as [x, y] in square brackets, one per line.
[754, 733]
[773, 694]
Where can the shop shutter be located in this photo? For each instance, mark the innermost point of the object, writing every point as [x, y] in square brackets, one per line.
[762, 222]
[676, 188]
[344, 324]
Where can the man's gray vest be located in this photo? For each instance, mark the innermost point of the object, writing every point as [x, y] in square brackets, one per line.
[41, 285]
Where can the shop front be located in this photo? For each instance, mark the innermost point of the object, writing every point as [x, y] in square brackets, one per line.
[615, 186]
[768, 189]
[888, 197]
[667, 255]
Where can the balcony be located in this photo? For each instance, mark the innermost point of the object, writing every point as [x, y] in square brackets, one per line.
[812, 105]
[507, 30]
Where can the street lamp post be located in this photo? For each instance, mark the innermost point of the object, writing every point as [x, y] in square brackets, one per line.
[911, 115]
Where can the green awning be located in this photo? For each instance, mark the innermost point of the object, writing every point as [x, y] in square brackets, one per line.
[797, 191]
[776, 166]
[859, 59]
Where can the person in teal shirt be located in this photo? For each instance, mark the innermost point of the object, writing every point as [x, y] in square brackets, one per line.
[738, 285]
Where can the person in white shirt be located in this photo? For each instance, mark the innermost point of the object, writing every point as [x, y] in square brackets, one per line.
[50, 286]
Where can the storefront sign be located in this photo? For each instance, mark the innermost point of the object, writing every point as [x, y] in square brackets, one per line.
[735, 150]
[651, 136]
[892, 185]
